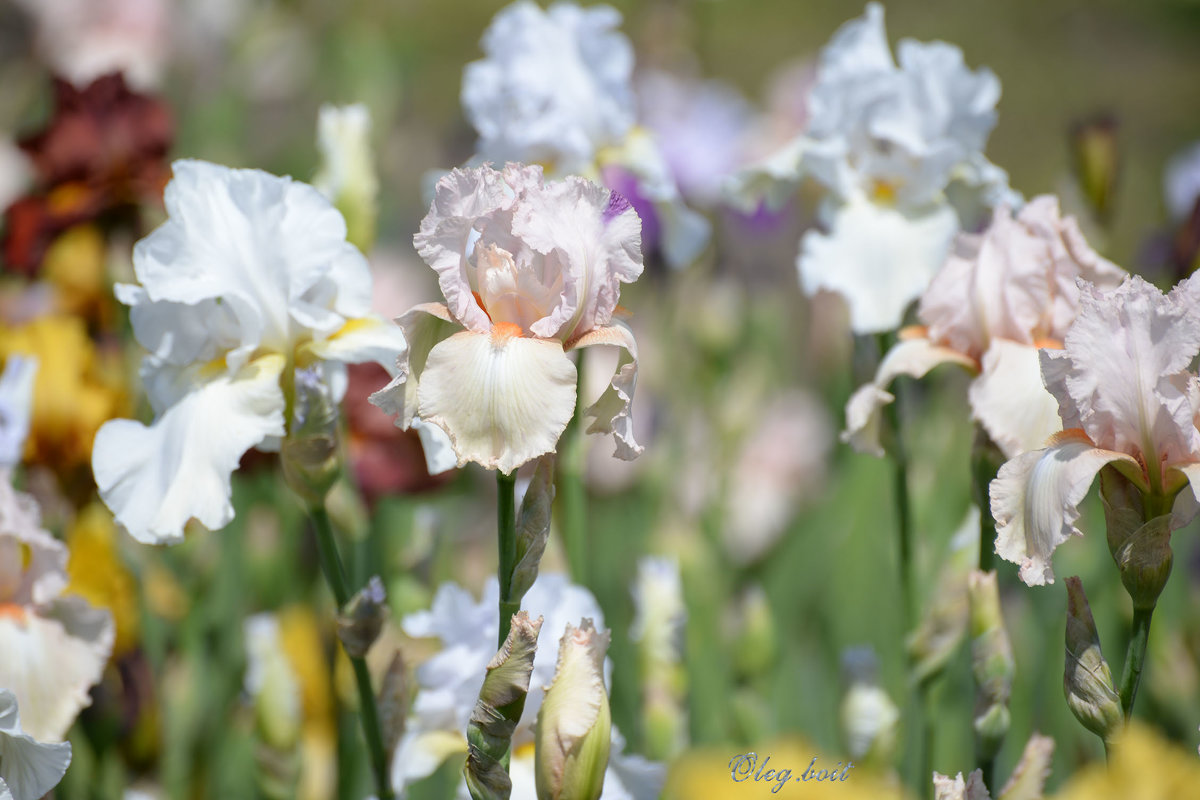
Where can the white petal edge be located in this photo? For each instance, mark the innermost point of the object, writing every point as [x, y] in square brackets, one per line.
[438, 449]
[155, 478]
[1010, 401]
[424, 326]
[503, 400]
[1035, 498]
[913, 357]
[28, 768]
[53, 657]
[877, 257]
[366, 339]
[612, 412]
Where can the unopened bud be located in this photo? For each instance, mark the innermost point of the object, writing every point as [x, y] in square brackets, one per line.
[1028, 778]
[574, 731]
[991, 661]
[756, 643]
[944, 623]
[1097, 161]
[393, 702]
[359, 622]
[347, 175]
[1145, 562]
[309, 452]
[1087, 680]
[533, 526]
[496, 713]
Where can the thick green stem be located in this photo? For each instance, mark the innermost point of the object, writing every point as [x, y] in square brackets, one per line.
[506, 528]
[572, 454]
[1135, 659]
[335, 575]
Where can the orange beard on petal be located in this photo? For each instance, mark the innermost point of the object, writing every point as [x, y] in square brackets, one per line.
[503, 331]
[13, 611]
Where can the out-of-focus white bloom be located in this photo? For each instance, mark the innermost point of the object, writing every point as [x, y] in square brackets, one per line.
[1000, 296]
[54, 647]
[29, 769]
[16, 172]
[1181, 183]
[659, 619]
[449, 684]
[1126, 398]
[81, 40]
[271, 681]
[869, 717]
[555, 88]
[895, 143]
[347, 174]
[530, 270]
[250, 275]
[16, 408]
[781, 463]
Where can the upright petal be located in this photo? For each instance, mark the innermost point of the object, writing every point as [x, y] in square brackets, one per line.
[502, 398]
[157, 477]
[879, 258]
[1123, 371]
[596, 236]
[612, 412]
[1035, 500]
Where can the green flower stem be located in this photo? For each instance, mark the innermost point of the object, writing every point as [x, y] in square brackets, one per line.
[920, 716]
[1135, 659]
[506, 526]
[572, 454]
[335, 574]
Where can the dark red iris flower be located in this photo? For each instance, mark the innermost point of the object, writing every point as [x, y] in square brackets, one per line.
[101, 155]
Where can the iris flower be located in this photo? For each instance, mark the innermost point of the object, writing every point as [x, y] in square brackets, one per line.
[530, 270]
[999, 297]
[249, 278]
[1127, 398]
[897, 144]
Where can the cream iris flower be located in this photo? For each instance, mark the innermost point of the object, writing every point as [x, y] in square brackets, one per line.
[53, 648]
[1127, 398]
[530, 270]
[250, 277]
[29, 769]
[897, 144]
[449, 683]
[555, 88]
[1000, 296]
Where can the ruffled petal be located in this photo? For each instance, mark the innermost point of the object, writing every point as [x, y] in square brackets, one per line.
[361, 340]
[503, 399]
[438, 449]
[423, 326]
[612, 413]
[275, 245]
[595, 235]
[462, 200]
[1009, 400]
[879, 258]
[1122, 375]
[1035, 499]
[52, 657]
[914, 357]
[157, 477]
[28, 768]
